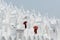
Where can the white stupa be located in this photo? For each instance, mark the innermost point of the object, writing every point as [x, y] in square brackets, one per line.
[12, 26]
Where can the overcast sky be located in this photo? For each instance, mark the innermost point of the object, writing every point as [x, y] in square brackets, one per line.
[52, 7]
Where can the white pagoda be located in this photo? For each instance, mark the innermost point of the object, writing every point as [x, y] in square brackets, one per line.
[20, 24]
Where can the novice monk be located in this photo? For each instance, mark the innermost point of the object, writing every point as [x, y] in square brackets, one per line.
[35, 29]
[25, 23]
